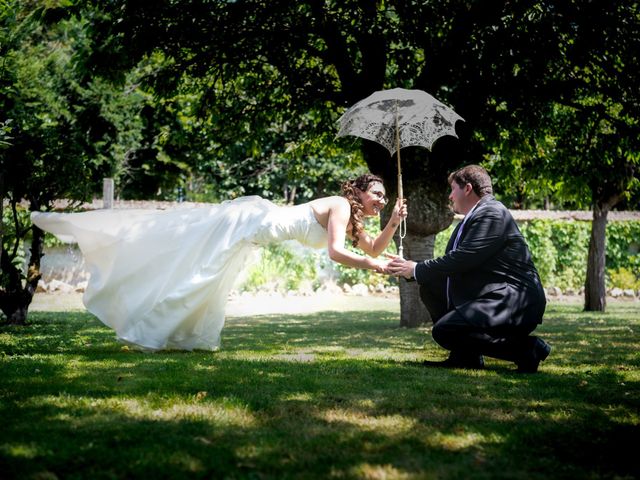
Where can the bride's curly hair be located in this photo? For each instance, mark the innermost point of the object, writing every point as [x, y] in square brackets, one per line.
[350, 190]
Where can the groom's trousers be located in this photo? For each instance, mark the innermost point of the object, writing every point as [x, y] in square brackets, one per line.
[473, 335]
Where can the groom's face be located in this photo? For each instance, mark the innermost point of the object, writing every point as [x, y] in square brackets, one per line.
[459, 197]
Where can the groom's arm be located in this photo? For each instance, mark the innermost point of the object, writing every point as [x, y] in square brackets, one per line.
[484, 237]
[413, 271]
[401, 268]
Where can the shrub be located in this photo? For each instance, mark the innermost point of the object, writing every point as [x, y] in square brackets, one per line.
[623, 278]
[352, 276]
[442, 238]
[539, 237]
[282, 267]
[623, 246]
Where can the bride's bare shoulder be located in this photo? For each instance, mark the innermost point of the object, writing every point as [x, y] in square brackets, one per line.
[337, 207]
[326, 204]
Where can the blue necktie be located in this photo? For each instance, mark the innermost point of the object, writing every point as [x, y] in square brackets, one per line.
[455, 245]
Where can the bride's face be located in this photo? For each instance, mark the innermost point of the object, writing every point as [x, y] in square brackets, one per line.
[373, 199]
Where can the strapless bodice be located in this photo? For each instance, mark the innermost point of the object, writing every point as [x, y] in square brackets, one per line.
[291, 223]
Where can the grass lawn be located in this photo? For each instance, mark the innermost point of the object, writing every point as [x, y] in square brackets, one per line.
[333, 394]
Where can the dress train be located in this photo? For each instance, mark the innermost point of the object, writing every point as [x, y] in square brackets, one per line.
[161, 279]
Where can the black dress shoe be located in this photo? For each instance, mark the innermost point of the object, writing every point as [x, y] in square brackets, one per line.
[539, 350]
[475, 362]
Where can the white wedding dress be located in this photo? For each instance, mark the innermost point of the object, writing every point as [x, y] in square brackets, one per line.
[161, 279]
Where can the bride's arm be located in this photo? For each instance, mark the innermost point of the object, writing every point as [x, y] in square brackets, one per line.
[375, 246]
[338, 221]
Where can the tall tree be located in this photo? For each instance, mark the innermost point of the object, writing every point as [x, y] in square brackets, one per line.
[582, 145]
[63, 133]
[599, 138]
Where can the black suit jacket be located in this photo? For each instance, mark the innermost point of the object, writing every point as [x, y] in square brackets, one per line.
[492, 277]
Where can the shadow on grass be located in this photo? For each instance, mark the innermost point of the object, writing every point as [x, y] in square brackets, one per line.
[316, 396]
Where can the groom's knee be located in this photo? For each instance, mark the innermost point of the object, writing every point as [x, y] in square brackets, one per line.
[449, 330]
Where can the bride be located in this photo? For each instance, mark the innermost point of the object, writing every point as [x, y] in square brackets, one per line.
[161, 279]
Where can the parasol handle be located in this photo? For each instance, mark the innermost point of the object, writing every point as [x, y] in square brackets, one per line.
[403, 223]
[398, 154]
[402, 229]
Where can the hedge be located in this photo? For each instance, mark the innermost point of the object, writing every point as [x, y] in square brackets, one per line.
[560, 247]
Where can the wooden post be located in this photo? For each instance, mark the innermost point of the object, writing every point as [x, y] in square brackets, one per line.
[107, 193]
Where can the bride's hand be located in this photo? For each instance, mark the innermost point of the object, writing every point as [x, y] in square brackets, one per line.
[400, 267]
[380, 267]
[399, 210]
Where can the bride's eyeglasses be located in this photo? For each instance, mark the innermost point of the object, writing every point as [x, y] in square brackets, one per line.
[380, 196]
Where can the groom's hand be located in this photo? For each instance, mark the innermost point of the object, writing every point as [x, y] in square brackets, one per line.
[400, 267]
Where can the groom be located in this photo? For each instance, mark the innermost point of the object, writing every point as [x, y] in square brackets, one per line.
[484, 295]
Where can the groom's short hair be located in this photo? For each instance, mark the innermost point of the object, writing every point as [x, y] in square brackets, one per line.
[474, 175]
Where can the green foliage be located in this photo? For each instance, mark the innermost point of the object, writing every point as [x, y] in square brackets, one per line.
[441, 240]
[571, 243]
[5, 133]
[281, 268]
[352, 276]
[624, 278]
[369, 278]
[568, 243]
[538, 235]
[571, 140]
[212, 100]
[623, 246]
[62, 128]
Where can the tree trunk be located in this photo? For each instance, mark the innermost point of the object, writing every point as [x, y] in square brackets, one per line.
[426, 190]
[413, 313]
[14, 299]
[594, 291]
[18, 316]
[18, 291]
